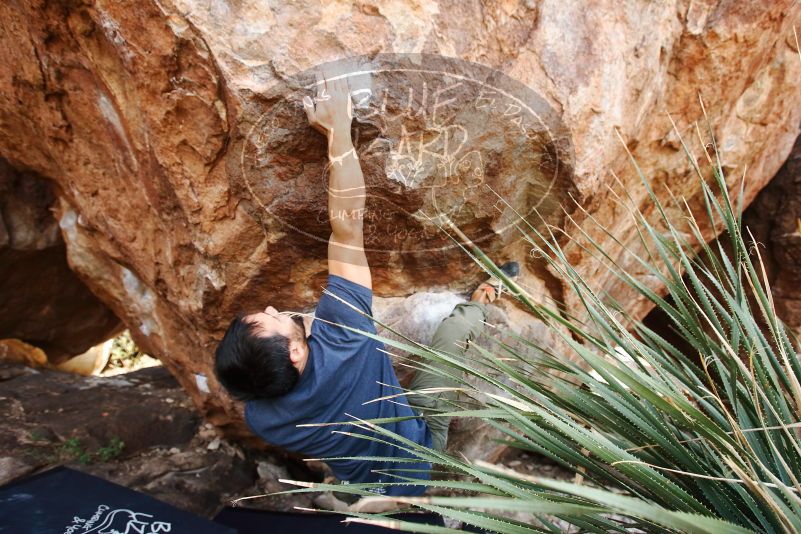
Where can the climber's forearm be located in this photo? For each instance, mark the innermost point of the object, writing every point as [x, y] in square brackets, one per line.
[346, 191]
[346, 209]
[331, 113]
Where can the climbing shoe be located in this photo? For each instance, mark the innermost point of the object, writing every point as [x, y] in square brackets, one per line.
[494, 287]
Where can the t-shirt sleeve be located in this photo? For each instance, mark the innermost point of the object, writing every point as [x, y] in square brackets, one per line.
[332, 310]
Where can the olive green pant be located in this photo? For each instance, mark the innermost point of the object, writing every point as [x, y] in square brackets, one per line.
[464, 324]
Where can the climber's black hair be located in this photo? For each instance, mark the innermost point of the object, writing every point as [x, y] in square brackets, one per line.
[250, 366]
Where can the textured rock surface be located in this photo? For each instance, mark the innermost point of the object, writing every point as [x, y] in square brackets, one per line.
[145, 113]
[41, 300]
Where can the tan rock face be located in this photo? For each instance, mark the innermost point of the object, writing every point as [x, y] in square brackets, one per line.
[191, 188]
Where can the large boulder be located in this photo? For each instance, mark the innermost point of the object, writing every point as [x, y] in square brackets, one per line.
[191, 187]
[41, 300]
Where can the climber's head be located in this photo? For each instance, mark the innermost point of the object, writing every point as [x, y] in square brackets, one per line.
[261, 355]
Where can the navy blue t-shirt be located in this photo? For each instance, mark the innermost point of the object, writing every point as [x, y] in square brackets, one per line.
[345, 369]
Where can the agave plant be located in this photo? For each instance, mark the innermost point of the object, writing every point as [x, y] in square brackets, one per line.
[698, 437]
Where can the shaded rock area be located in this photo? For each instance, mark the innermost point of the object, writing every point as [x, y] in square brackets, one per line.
[139, 430]
[189, 183]
[774, 219]
[42, 301]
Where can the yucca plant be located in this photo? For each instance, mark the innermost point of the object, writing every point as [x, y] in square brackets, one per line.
[702, 438]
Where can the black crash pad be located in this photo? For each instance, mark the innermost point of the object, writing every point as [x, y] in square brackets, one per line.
[65, 501]
[249, 521]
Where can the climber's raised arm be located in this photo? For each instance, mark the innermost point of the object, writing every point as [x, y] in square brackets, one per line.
[330, 112]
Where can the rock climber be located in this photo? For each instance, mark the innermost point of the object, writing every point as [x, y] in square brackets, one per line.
[293, 371]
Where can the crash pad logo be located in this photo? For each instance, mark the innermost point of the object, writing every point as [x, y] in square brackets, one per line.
[107, 520]
[439, 140]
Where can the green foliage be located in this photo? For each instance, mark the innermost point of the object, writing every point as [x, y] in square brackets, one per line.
[705, 439]
[37, 435]
[73, 449]
[112, 450]
[124, 352]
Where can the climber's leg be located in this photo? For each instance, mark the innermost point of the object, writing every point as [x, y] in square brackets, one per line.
[464, 324]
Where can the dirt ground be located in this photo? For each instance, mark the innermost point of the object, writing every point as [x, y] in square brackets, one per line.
[139, 430]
